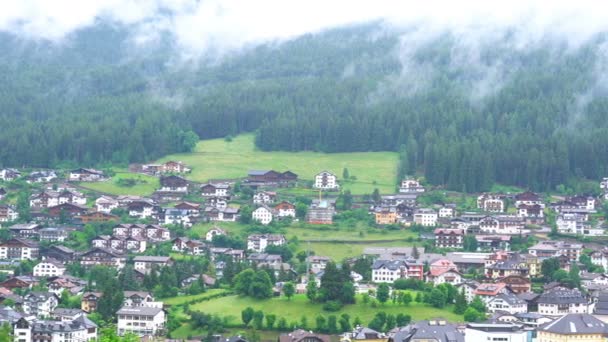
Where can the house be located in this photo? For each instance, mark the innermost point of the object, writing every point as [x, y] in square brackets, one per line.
[264, 197]
[42, 176]
[214, 231]
[105, 204]
[586, 202]
[501, 224]
[227, 214]
[221, 190]
[533, 214]
[491, 203]
[60, 253]
[259, 242]
[573, 327]
[265, 259]
[88, 302]
[326, 180]
[8, 213]
[49, 268]
[435, 330]
[52, 234]
[507, 302]
[502, 264]
[517, 284]
[302, 336]
[528, 198]
[138, 298]
[285, 209]
[487, 291]
[263, 214]
[20, 282]
[103, 257]
[145, 264]
[142, 209]
[411, 186]
[442, 276]
[173, 184]
[67, 209]
[270, 177]
[385, 215]
[468, 287]
[562, 301]
[86, 175]
[59, 284]
[25, 230]
[78, 329]
[177, 216]
[425, 217]
[167, 167]
[186, 245]
[552, 249]
[317, 263]
[236, 255]
[9, 175]
[408, 199]
[449, 238]
[140, 320]
[193, 209]
[149, 232]
[447, 211]
[363, 334]
[491, 331]
[389, 270]
[63, 314]
[19, 249]
[600, 258]
[320, 212]
[40, 304]
[493, 242]
[574, 223]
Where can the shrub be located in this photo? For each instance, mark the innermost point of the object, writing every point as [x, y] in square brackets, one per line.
[332, 306]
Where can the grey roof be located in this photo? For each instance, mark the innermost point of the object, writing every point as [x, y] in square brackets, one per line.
[434, 330]
[575, 324]
[139, 310]
[511, 299]
[601, 307]
[562, 295]
[146, 258]
[67, 312]
[8, 314]
[496, 327]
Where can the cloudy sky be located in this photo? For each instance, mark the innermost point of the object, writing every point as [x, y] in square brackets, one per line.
[202, 25]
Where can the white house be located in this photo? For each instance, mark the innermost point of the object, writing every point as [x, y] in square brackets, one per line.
[49, 268]
[145, 263]
[507, 302]
[410, 185]
[425, 217]
[258, 243]
[40, 304]
[86, 175]
[80, 329]
[264, 197]
[263, 214]
[9, 175]
[285, 209]
[447, 211]
[19, 249]
[450, 276]
[491, 203]
[140, 320]
[8, 213]
[326, 181]
[475, 332]
[561, 301]
[106, 204]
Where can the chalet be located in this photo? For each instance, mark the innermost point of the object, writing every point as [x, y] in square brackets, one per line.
[285, 209]
[491, 203]
[577, 224]
[149, 232]
[194, 209]
[317, 263]
[42, 176]
[325, 180]
[145, 264]
[385, 215]
[408, 199]
[49, 198]
[52, 234]
[528, 198]
[142, 209]
[467, 287]
[517, 284]
[263, 214]
[25, 230]
[216, 202]
[86, 175]
[59, 284]
[40, 304]
[562, 301]
[552, 249]
[9, 175]
[443, 276]
[447, 211]
[493, 243]
[234, 254]
[410, 186]
[488, 291]
[270, 177]
[320, 212]
[140, 320]
[501, 224]
[96, 216]
[507, 302]
[425, 217]
[49, 268]
[177, 216]
[20, 282]
[405, 213]
[173, 184]
[259, 242]
[102, 257]
[502, 264]
[124, 200]
[264, 259]
[301, 336]
[106, 204]
[264, 197]
[227, 214]
[586, 202]
[221, 190]
[387, 271]
[138, 298]
[19, 249]
[58, 252]
[449, 238]
[186, 245]
[213, 232]
[89, 301]
[533, 214]
[68, 209]
[8, 213]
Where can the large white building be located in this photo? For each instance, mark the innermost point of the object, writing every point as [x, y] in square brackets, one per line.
[80, 329]
[562, 301]
[425, 217]
[326, 181]
[140, 320]
[263, 214]
[49, 268]
[507, 302]
[258, 243]
[507, 332]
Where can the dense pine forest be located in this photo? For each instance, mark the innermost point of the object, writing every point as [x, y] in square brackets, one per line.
[534, 117]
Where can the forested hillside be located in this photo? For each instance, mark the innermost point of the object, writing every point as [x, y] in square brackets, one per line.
[533, 117]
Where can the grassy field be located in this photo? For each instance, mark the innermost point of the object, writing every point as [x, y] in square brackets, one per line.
[183, 299]
[299, 306]
[218, 159]
[145, 185]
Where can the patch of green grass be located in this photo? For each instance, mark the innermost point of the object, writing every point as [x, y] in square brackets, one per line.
[341, 251]
[184, 299]
[299, 306]
[219, 159]
[144, 185]
[506, 189]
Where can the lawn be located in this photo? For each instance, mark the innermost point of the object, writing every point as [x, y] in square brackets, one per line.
[341, 251]
[298, 306]
[183, 299]
[219, 159]
[144, 185]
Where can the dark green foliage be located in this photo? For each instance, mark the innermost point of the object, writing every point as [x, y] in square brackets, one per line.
[382, 293]
[247, 315]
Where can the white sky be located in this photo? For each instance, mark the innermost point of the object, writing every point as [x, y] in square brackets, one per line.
[199, 26]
